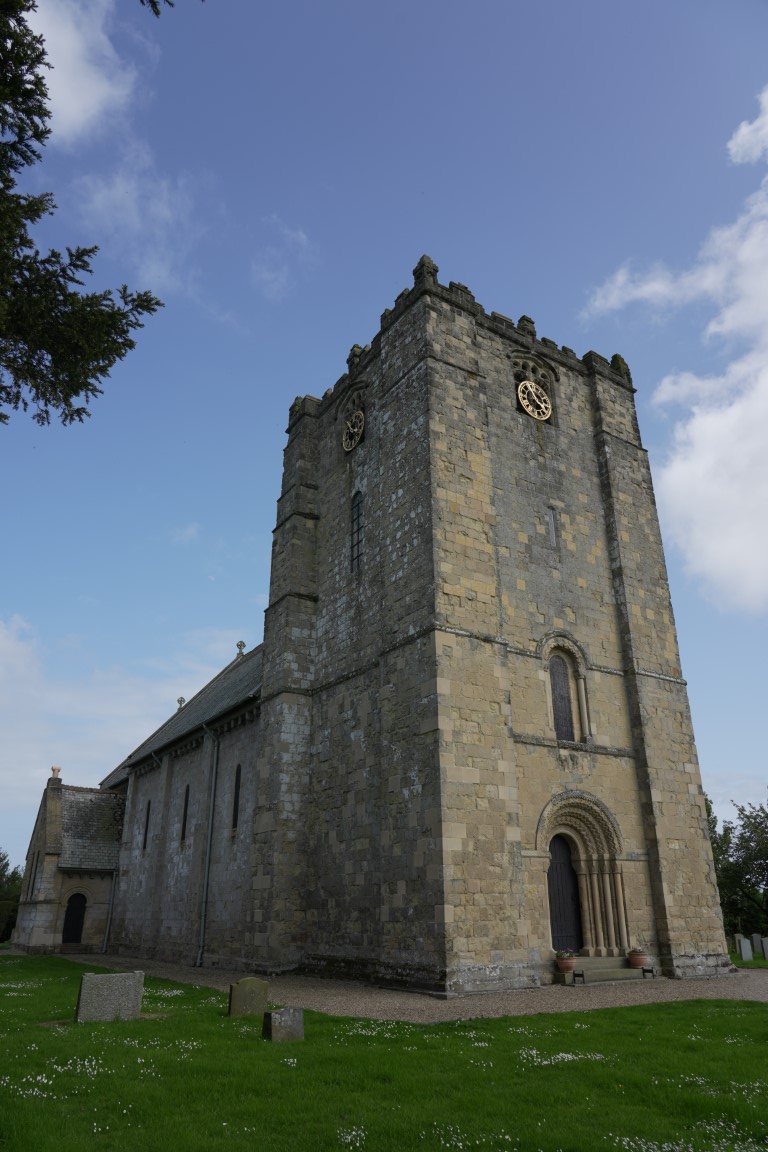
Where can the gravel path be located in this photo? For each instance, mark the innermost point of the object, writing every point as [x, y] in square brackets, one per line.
[348, 998]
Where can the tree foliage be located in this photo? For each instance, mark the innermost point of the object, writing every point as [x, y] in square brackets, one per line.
[156, 5]
[740, 851]
[57, 342]
[10, 893]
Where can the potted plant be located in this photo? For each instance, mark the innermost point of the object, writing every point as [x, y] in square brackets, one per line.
[565, 959]
[637, 958]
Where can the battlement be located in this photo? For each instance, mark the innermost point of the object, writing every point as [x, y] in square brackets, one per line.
[521, 334]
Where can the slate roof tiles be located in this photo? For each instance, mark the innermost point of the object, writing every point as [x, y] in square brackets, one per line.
[235, 685]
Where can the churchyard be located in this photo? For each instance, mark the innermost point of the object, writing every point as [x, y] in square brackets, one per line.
[670, 1077]
[749, 950]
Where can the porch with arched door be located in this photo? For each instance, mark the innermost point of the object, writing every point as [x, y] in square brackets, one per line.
[585, 886]
[74, 919]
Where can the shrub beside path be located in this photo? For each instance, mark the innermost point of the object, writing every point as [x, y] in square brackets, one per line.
[349, 998]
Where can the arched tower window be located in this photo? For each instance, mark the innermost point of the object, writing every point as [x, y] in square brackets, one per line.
[560, 682]
[236, 800]
[356, 532]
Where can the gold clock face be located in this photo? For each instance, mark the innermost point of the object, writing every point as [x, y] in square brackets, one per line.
[354, 423]
[534, 400]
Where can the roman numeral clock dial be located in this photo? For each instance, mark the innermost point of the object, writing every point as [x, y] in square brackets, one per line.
[534, 400]
[353, 430]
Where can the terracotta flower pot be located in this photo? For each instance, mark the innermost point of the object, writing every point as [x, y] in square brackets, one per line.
[637, 960]
[566, 963]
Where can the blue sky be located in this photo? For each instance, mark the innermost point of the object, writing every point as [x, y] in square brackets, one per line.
[274, 172]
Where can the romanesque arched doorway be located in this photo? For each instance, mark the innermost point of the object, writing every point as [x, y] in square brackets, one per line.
[74, 918]
[564, 904]
[583, 841]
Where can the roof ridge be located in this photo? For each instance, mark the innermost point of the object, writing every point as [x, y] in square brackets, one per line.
[198, 709]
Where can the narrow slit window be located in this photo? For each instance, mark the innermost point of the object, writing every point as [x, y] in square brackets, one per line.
[184, 815]
[236, 800]
[356, 532]
[33, 877]
[552, 527]
[146, 826]
[561, 698]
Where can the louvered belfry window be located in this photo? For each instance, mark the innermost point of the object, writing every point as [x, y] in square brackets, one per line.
[561, 698]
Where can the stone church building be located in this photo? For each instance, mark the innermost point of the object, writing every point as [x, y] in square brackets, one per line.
[465, 740]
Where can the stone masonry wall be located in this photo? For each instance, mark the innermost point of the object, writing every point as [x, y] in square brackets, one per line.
[525, 560]
[159, 908]
[682, 872]
[364, 771]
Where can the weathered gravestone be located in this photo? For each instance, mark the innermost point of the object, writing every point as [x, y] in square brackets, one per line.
[757, 944]
[110, 996]
[248, 997]
[764, 942]
[284, 1025]
[745, 949]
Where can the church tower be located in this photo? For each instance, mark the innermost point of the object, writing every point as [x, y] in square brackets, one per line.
[475, 740]
[465, 741]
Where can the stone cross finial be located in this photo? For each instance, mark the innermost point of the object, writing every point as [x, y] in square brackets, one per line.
[181, 702]
[55, 772]
[240, 647]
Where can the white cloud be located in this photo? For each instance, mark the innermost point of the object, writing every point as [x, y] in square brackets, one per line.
[88, 83]
[88, 723]
[141, 217]
[713, 488]
[750, 140]
[713, 485]
[147, 218]
[278, 265]
[186, 533]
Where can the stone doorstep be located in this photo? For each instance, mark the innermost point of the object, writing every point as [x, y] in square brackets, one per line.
[600, 970]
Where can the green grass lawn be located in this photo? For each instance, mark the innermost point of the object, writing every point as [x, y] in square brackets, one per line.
[657, 1078]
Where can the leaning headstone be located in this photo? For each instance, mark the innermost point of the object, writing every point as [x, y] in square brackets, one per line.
[248, 997]
[736, 939]
[757, 944]
[283, 1025]
[110, 996]
[764, 943]
[745, 949]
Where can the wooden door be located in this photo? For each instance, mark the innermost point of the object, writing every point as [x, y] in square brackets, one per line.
[74, 918]
[564, 908]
